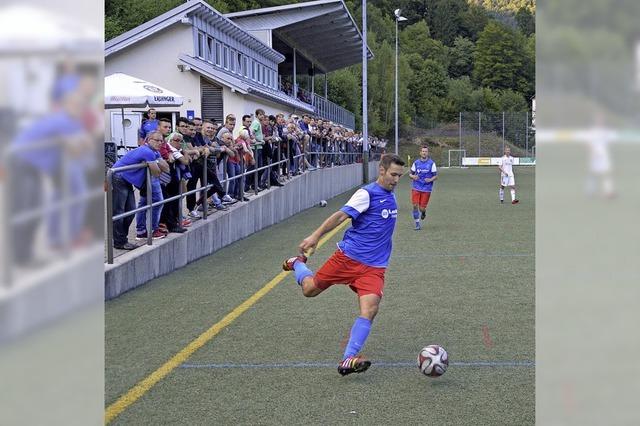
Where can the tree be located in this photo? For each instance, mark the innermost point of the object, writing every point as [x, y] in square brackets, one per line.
[458, 98]
[344, 88]
[500, 60]
[508, 100]
[526, 21]
[447, 20]
[416, 38]
[461, 57]
[427, 88]
[474, 19]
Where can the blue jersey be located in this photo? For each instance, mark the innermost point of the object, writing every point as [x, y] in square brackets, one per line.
[147, 127]
[48, 158]
[373, 211]
[136, 177]
[425, 169]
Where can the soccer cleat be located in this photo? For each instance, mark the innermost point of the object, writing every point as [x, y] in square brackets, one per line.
[515, 201]
[501, 201]
[418, 227]
[353, 364]
[423, 215]
[287, 265]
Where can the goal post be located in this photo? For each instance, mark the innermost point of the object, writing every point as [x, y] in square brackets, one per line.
[456, 156]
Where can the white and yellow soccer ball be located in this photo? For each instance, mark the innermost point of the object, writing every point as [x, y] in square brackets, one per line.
[433, 360]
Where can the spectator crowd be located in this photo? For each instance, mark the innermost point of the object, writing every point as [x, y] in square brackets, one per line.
[250, 154]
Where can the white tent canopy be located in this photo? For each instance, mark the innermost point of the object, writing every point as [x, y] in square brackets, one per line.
[124, 91]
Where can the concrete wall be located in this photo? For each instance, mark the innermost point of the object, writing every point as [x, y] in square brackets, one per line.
[205, 237]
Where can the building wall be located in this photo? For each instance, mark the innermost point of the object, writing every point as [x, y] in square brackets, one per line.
[155, 59]
[239, 105]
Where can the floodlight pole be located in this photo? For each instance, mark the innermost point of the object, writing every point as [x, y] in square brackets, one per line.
[396, 92]
[365, 130]
[398, 19]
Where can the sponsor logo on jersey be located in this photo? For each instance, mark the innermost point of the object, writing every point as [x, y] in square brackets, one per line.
[386, 213]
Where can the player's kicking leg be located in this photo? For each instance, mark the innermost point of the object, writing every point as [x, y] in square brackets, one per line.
[304, 275]
[351, 361]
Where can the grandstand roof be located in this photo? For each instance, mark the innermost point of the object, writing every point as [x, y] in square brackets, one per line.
[180, 14]
[310, 28]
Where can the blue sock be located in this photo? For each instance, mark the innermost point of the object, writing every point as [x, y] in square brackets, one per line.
[416, 216]
[359, 334]
[301, 271]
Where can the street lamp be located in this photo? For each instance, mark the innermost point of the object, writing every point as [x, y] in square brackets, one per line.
[398, 19]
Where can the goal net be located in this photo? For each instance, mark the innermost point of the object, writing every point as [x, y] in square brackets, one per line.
[456, 156]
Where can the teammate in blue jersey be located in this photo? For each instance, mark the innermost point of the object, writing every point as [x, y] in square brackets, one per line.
[423, 173]
[361, 258]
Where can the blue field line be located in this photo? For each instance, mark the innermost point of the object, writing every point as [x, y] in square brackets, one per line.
[387, 364]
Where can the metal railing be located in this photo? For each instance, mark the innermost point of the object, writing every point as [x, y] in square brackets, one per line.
[322, 107]
[294, 162]
[254, 173]
[59, 211]
[333, 112]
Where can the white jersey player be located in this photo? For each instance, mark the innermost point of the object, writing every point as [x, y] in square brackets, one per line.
[507, 178]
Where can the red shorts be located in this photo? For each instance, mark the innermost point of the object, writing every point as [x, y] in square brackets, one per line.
[341, 269]
[420, 198]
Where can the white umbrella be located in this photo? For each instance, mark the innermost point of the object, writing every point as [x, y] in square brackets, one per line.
[124, 91]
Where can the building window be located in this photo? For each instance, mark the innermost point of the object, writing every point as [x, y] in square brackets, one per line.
[225, 57]
[232, 61]
[201, 50]
[210, 50]
[239, 58]
[218, 55]
[245, 67]
[253, 70]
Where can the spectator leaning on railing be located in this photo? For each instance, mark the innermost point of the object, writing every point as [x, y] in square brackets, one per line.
[156, 196]
[198, 138]
[178, 163]
[250, 165]
[256, 128]
[212, 150]
[284, 143]
[123, 183]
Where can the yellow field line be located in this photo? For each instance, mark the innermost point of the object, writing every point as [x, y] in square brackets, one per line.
[148, 382]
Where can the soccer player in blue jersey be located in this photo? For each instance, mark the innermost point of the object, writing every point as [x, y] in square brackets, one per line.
[361, 258]
[423, 173]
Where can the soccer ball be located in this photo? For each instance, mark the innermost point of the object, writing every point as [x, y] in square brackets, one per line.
[433, 360]
[323, 203]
